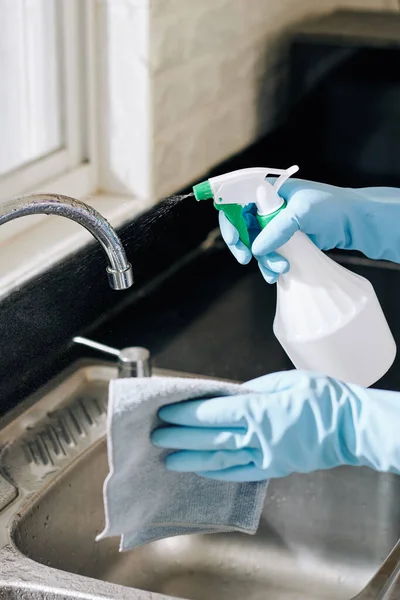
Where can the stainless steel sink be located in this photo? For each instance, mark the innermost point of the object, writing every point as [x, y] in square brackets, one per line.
[322, 536]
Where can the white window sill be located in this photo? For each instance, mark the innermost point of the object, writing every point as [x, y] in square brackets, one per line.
[31, 250]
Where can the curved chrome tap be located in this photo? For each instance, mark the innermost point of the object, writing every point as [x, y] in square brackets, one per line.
[119, 270]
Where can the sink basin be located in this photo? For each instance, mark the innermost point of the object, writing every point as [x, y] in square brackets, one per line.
[321, 536]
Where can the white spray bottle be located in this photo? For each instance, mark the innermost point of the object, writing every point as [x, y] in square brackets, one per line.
[327, 319]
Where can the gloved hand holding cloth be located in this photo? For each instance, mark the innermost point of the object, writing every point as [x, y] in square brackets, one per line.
[295, 422]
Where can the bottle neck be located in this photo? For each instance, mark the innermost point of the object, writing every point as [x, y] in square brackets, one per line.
[263, 220]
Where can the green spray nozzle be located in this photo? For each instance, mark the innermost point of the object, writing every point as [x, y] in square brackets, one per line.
[203, 191]
[232, 191]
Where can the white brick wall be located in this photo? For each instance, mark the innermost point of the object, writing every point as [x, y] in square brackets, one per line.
[208, 63]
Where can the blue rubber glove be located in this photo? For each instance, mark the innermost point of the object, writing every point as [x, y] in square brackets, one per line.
[294, 422]
[364, 219]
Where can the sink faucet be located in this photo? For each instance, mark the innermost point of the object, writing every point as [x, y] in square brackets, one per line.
[119, 270]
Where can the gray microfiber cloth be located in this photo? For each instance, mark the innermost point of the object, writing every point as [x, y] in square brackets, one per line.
[143, 501]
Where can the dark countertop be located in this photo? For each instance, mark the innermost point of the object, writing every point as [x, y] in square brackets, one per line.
[213, 317]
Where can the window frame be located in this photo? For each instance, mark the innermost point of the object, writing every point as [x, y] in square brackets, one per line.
[73, 167]
[114, 177]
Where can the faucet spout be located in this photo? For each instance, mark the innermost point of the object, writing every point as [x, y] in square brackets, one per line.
[119, 270]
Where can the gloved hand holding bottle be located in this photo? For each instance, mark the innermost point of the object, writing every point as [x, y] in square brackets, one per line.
[294, 421]
[365, 219]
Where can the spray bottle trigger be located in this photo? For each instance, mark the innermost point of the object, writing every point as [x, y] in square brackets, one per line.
[234, 214]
